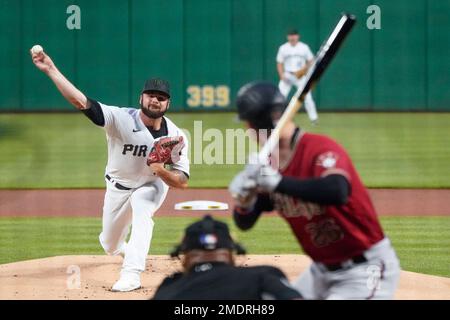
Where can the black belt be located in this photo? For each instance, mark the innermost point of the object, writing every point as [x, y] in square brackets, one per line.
[116, 184]
[355, 260]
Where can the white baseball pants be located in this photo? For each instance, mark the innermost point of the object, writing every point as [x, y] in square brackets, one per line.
[285, 87]
[375, 279]
[135, 208]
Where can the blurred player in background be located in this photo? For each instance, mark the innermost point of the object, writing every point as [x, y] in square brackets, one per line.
[318, 191]
[293, 60]
[210, 274]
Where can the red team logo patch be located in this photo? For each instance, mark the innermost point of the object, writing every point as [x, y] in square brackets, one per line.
[327, 160]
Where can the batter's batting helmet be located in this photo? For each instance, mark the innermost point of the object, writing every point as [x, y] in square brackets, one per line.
[261, 104]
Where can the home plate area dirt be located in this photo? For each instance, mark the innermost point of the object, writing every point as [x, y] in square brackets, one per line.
[91, 277]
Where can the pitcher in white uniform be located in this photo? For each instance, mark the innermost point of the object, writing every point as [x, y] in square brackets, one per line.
[134, 190]
[293, 60]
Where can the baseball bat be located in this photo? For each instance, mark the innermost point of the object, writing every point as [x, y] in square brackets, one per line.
[321, 61]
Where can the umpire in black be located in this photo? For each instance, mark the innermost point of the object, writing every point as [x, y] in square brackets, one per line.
[209, 273]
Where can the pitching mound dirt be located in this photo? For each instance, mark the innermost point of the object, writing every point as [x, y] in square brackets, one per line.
[91, 277]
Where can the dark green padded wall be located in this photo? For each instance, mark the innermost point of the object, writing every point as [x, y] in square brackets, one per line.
[247, 42]
[207, 49]
[438, 55]
[102, 51]
[157, 41]
[348, 81]
[41, 23]
[10, 57]
[399, 55]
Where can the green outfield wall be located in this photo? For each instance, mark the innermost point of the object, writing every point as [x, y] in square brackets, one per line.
[209, 48]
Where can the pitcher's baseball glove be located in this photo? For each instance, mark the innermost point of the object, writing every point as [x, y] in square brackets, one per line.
[166, 150]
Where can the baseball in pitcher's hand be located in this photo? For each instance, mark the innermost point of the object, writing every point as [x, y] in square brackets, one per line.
[42, 61]
[267, 179]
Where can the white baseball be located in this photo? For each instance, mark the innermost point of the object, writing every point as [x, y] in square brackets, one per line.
[36, 49]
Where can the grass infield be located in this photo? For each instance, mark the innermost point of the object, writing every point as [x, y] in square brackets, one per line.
[422, 243]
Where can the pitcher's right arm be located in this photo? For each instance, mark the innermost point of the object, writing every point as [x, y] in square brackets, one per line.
[74, 96]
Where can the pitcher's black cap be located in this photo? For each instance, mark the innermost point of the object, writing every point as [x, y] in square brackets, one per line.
[158, 85]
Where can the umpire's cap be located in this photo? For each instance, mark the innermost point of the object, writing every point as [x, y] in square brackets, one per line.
[158, 85]
[260, 103]
[207, 234]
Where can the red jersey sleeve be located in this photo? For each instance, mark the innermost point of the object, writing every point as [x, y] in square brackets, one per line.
[331, 159]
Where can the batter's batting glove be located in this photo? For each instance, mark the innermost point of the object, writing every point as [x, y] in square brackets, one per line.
[243, 190]
[262, 177]
[268, 179]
